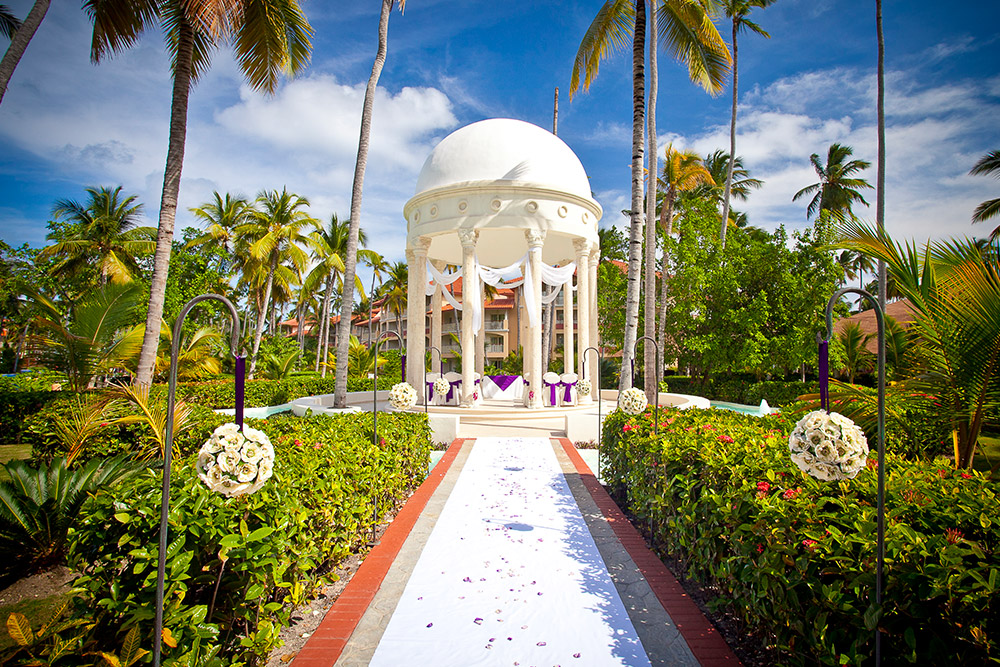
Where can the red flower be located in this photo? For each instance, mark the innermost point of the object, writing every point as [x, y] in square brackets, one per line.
[725, 438]
[298, 443]
[810, 544]
[629, 427]
[791, 494]
[760, 548]
[942, 473]
[966, 475]
[763, 488]
[381, 442]
[953, 535]
[708, 427]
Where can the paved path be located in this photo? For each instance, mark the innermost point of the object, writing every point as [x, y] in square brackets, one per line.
[512, 554]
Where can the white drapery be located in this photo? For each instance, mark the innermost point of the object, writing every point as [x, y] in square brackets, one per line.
[506, 277]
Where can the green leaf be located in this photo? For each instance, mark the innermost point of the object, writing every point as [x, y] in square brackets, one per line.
[259, 534]
[230, 541]
[122, 517]
[130, 647]
[111, 659]
[19, 629]
[910, 637]
[872, 614]
[243, 528]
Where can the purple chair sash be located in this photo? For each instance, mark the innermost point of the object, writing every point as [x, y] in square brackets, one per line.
[451, 389]
[568, 394]
[552, 391]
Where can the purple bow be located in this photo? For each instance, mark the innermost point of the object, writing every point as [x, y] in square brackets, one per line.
[568, 395]
[451, 389]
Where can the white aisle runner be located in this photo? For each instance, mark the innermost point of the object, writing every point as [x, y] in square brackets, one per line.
[510, 575]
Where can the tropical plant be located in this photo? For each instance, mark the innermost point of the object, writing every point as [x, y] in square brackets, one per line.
[102, 234]
[38, 506]
[361, 359]
[274, 237]
[717, 163]
[196, 357]
[279, 367]
[8, 22]
[221, 217]
[954, 288]
[94, 339]
[394, 292]
[20, 35]
[688, 33]
[267, 38]
[989, 164]
[354, 229]
[838, 188]
[855, 265]
[857, 358]
[737, 11]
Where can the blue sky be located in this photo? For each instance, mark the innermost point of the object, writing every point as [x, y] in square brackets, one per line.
[66, 124]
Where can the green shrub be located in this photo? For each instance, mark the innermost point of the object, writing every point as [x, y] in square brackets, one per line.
[265, 552]
[15, 407]
[795, 557]
[219, 394]
[740, 388]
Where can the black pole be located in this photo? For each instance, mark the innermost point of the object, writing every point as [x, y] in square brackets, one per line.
[427, 401]
[168, 450]
[880, 543]
[595, 385]
[384, 335]
[656, 410]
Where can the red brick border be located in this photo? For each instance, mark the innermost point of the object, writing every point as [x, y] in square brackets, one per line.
[701, 636]
[327, 643]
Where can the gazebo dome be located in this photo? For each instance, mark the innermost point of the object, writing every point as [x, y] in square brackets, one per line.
[503, 149]
[502, 178]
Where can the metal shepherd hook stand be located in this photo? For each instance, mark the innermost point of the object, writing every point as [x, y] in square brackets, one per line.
[427, 401]
[169, 441]
[595, 387]
[825, 404]
[656, 410]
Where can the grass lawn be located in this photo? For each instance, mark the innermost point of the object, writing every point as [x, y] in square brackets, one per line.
[9, 453]
[988, 454]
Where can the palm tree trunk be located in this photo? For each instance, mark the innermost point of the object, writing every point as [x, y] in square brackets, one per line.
[635, 235]
[880, 175]
[168, 200]
[651, 374]
[262, 315]
[667, 223]
[19, 43]
[351, 251]
[732, 148]
[323, 343]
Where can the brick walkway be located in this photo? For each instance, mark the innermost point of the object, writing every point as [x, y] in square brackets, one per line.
[668, 622]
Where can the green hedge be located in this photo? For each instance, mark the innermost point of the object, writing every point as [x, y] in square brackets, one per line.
[16, 407]
[795, 557]
[740, 389]
[265, 552]
[220, 394]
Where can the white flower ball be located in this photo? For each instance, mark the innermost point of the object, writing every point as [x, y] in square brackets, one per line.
[441, 387]
[235, 463]
[828, 446]
[402, 396]
[633, 401]
[583, 388]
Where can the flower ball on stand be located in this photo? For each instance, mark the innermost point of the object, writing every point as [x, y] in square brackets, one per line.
[828, 446]
[234, 462]
[402, 396]
[633, 401]
[583, 388]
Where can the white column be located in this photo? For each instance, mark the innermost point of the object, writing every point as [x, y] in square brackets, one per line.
[595, 337]
[416, 316]
[436, 320]
[481, 335]
[582, 247]
[568, 326]
[470, 283]
[535, 239]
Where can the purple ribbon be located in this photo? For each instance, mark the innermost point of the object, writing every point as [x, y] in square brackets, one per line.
[241, 376]
[430, 390]
[824, 375]
[503, 381]
[451, 389]
[552, 391]
[568, 395]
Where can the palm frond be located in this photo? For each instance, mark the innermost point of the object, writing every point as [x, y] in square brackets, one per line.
[609, 32]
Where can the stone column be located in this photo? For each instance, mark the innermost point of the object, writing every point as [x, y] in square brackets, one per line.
[582, 247]
[470, 283]
[568, 326]
[535, 239]
[416, 315]
[436, 300]
[481, 335]
[595, 336]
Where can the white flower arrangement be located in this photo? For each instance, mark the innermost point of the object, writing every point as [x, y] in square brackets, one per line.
[828, 446]
[402, 396]
[441, 387]
[633, 401]
[583, 388]
[235, 462]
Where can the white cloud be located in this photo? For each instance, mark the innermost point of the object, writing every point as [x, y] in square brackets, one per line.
[610, 133]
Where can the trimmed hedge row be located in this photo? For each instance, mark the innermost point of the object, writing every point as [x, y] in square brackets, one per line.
[237, 566]
[263, 393]
[740, 389]
[795, 557]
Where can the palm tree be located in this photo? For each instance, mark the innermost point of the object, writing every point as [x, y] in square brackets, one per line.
[855, 265]
[221, 217]
[196, 357]
[8, 22]
[838, 189]
[740, 185]
[104, 234]
[988, 164]
[274, 234]
[689, 34]
[329, 245]
[267, 37]
[394, 295]
[683, 171]
[954, 287]
[857, 358]
[350, 263]
[737, 12]
[20, 35]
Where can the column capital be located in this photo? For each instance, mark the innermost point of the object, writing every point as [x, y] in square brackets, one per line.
[421, 247]
[411, 255]
[535, 238]
[582, 246]
[468, 237]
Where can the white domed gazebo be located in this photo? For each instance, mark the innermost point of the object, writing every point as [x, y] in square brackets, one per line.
[505, 200]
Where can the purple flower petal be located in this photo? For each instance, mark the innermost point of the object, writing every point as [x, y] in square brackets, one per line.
[478, 621]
